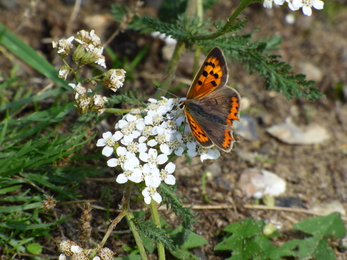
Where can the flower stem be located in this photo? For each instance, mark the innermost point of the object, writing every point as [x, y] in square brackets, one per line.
[156, 220]
[243, 4]
[117, 110]
[171, 69]
[173, 63]
[122, 214]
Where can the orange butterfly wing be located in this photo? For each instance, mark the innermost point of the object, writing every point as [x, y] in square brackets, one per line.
[212, 74]
[197, 131]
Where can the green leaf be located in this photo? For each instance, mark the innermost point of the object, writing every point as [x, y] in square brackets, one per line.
[172, 201]
[34, 248]
[194, 240]
[247, 228]
[24, 226]
[330, 225]
[241, 241]
[30, 56]
[313, 247]
[150, 230]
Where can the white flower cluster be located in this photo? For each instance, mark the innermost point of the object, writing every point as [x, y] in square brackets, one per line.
[71, 250]
[91, 44]
[114, 79]
[295, 5]
[85, 102]
[64, 46]
[88, 50]
[143, 142]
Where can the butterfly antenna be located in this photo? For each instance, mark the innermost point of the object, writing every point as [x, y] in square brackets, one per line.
[166, 92]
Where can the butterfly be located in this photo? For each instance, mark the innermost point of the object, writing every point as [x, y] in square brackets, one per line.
[211, 106]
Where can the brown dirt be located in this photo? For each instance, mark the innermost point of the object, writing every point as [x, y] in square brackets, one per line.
[314, 173]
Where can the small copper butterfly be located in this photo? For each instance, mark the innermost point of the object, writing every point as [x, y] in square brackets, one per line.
[211, 106]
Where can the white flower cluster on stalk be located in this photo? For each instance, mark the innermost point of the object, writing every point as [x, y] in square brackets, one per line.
[143, 142]
[88, 50]
[295, 5]
[71, 250]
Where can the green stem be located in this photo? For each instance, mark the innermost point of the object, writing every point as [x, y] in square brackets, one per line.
[171, 70]
[129, 217]
[199, 14]
[180, 46]
[117, 110]
[243, 4]
[156, 220]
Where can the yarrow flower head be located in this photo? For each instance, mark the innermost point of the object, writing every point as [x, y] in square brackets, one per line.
[86, 101]
[114, 79]
[295, 5]
[64, 46]
[144, 140]
[88, 50]
[306, 5]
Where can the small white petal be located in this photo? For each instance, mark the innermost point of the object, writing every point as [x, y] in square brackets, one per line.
[121, 178]
[100, 143]
[135, 134]
[152, 152]
[148, 200]
[279, 2]
[107, 151]
[307, 10]
[192, 153]
[148, 120]
[107, 135]
[121, 151]
[156, 196]
[140, 125]
[112, 162]
[117, 135]
[144, 157]
[162, 158]
[130, 117]
[76, 249]
[152, 143]
[170, 167]
[170, 180]
[179, 151]
[121, 123]
[165, 149]
[267, 4]
[318, 5]
[152, 100]
[136, 176]
[211, 154]
[127, 139]
[131, 163]
[191, 145]
[146, 169]
[295, 4]
[142, 139]
[142, 147]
